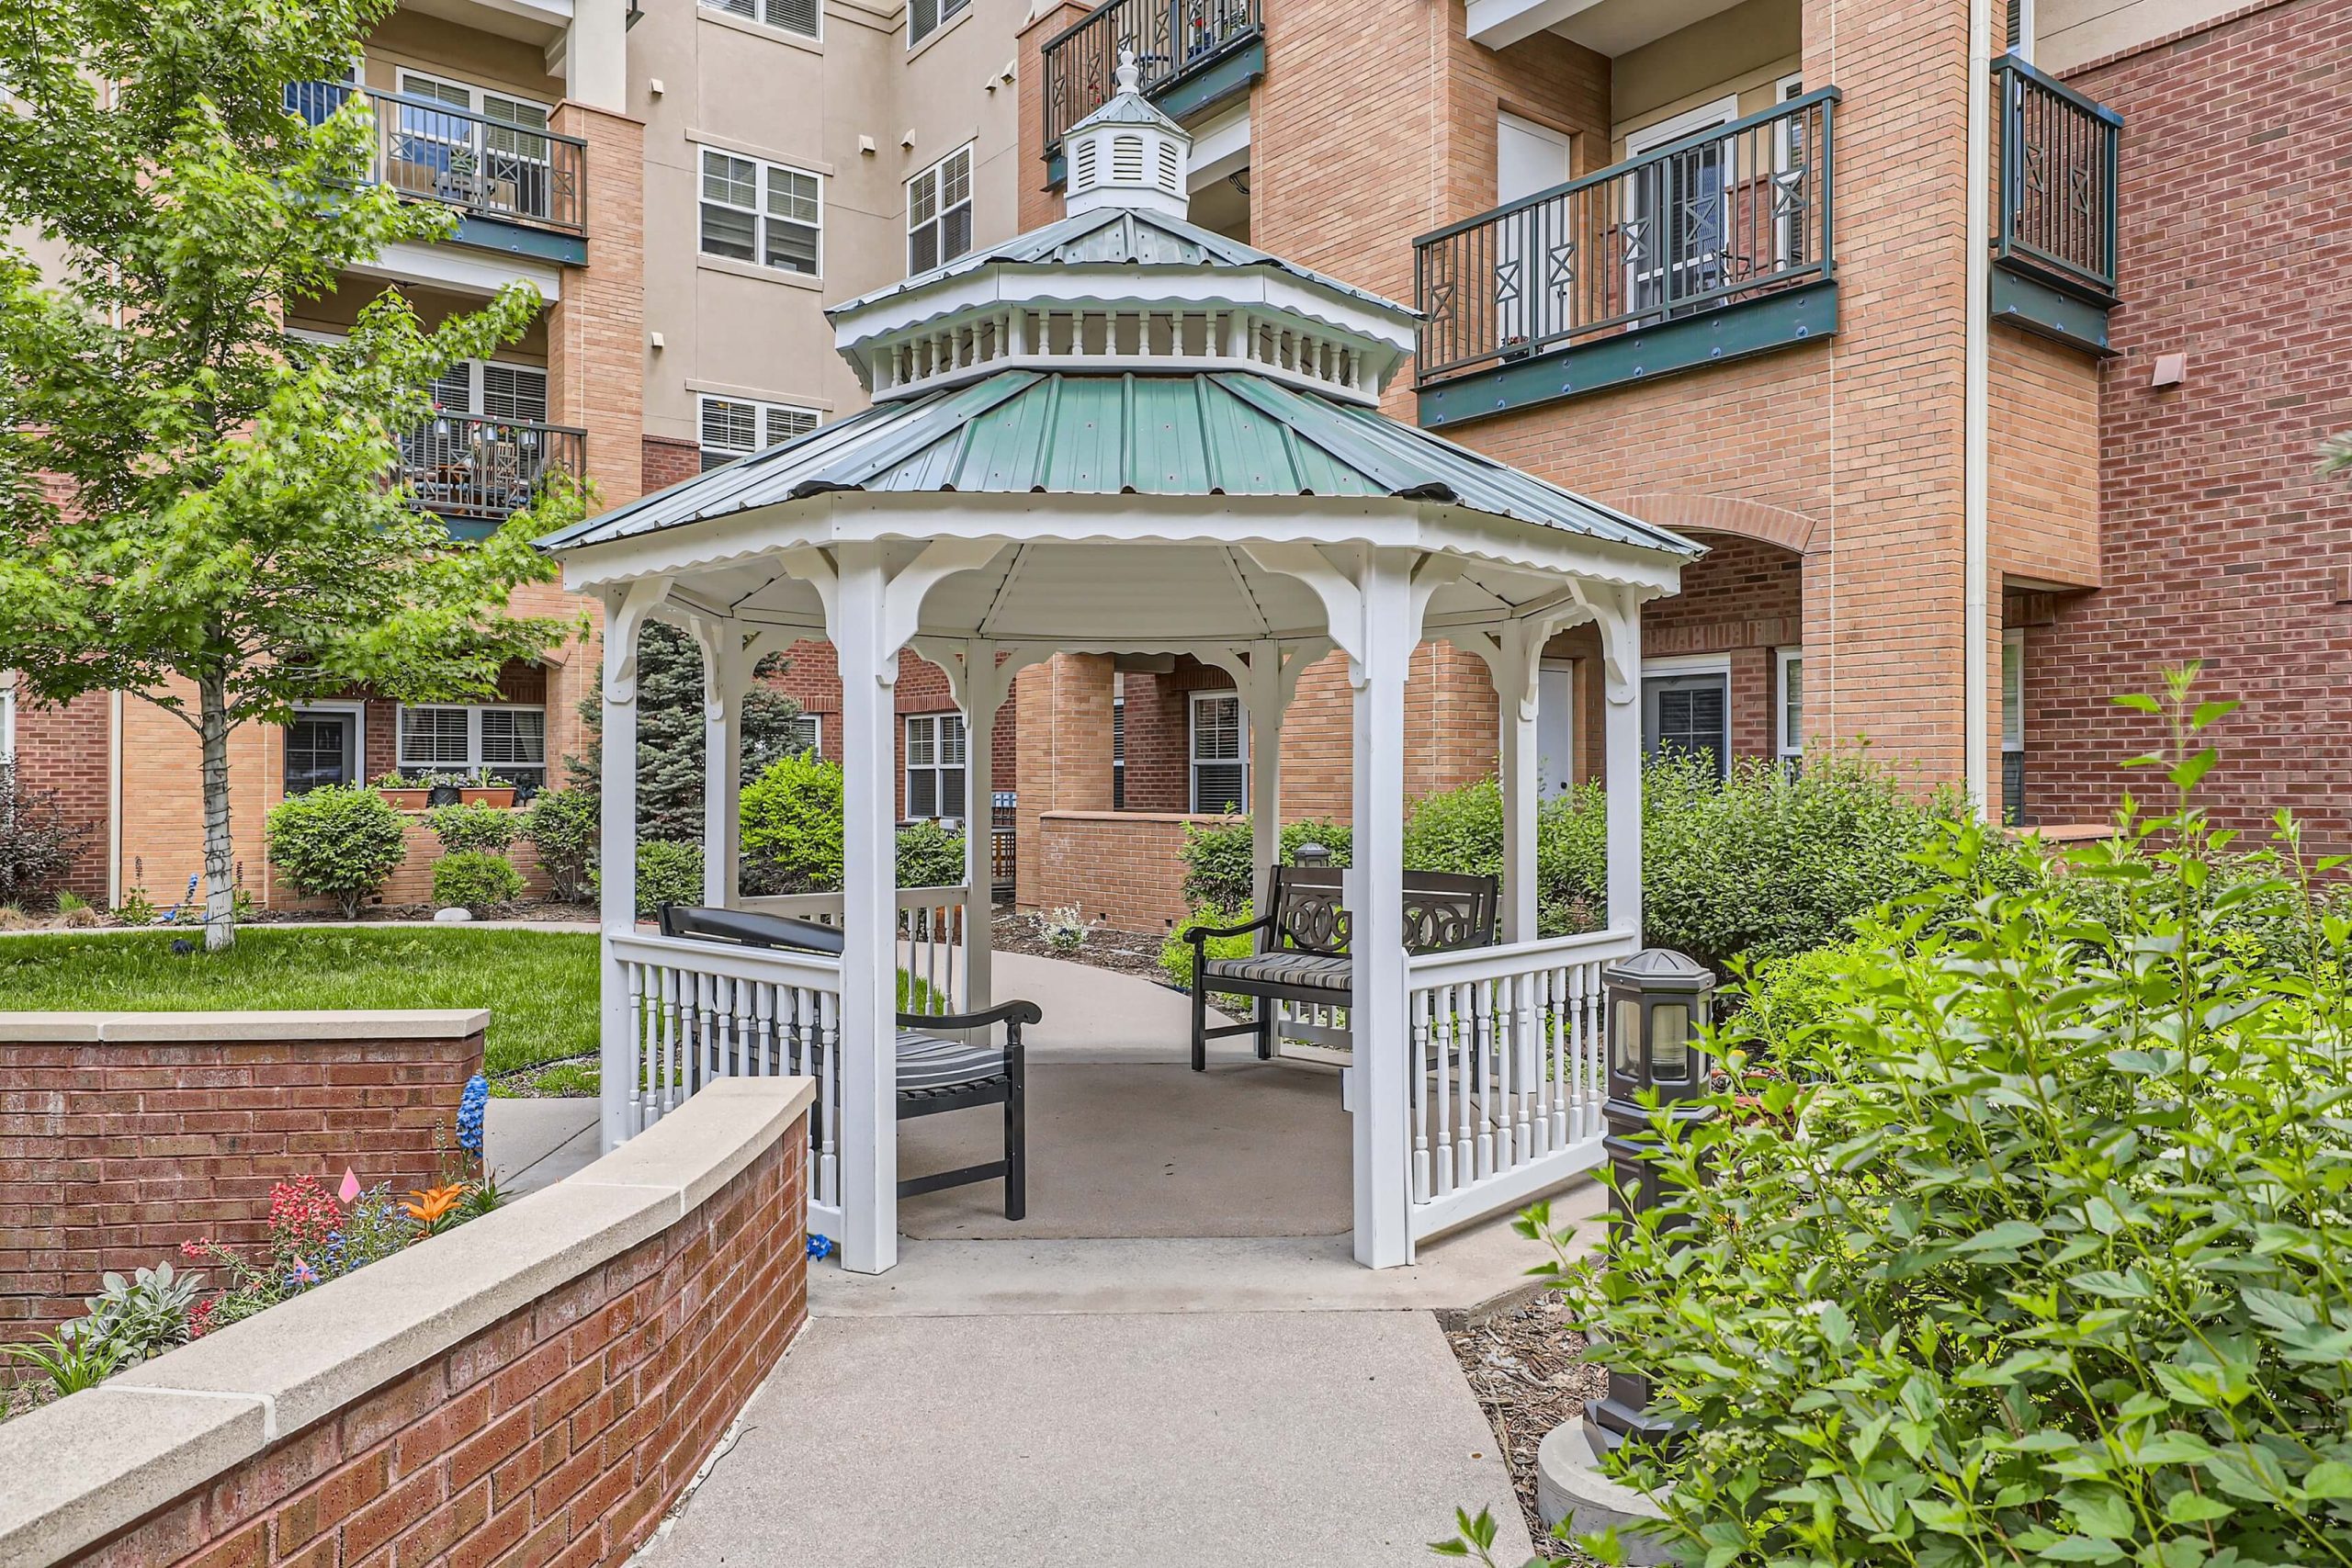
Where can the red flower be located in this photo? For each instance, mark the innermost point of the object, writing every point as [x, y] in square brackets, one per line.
[199, 1317]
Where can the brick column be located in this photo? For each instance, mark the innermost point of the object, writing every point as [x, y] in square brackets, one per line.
[1040, 203]
[1883, 636]
[596, 331]
[1063, 708]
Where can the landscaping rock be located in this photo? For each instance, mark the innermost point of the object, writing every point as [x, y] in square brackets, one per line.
[1568, 1483]
[451, 916]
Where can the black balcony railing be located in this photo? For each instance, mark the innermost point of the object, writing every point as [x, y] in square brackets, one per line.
[1169, 37]
[474, 466]
[1724, 216]
[480, 164]
[2056, 195]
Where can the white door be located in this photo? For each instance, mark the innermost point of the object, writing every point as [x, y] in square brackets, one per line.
[1676, 208]
[1556, 731]
[1527, 158]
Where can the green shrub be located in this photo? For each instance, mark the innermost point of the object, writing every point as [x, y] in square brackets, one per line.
[930, 855]
[667, 873]
[479, 826]
[1219, 870]
[338, 843]
[792, 823]
[474, 879]
[1176, 951]
[1462, 830]
[2039, 1258]
[562, 825]
[1775, 1006]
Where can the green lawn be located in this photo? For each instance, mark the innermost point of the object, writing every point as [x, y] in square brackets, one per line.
[540, 986]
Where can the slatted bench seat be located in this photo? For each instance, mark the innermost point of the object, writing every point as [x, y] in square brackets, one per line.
[1303, 945]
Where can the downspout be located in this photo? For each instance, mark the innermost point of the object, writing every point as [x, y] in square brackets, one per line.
[114, 800]
[1975, 457]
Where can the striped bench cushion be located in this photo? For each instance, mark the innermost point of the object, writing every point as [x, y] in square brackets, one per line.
[1285, 969]
[927, 1062]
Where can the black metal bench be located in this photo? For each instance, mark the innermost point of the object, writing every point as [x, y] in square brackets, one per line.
[936, 1073]
[1303, 945]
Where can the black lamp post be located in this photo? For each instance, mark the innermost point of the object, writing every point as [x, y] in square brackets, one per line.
[1658, 1002]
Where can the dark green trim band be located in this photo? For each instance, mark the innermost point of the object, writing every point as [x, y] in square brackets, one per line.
[520, 240]
[2032, 305]
[1736, 331]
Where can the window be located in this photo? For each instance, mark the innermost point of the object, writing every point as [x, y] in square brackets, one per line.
[315, 102]
[1118, 742]
[795, 16]
[323, 750]
[8, 723]
[1685, 710]
[939, 212]
[2013, 727]
[1676, 208]
[518, 392]
[1220, 762]
[509, 742]
[732, 427]
[1789, 727]
[935, 765]
[925, 18]
[807, 734]
[484, 150]
[761, 212]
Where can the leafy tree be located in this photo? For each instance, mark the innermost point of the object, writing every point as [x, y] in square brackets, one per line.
[196, 502]
[670, 732]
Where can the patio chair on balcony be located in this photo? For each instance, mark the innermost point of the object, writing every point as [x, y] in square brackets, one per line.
[942, 1065]
[1302, 953]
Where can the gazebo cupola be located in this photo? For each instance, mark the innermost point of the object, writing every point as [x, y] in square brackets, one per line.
[1124, 282]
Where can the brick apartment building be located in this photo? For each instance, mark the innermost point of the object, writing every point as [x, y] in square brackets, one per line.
[1707, 260]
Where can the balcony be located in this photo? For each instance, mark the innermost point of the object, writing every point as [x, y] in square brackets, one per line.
[2053, 247]
[477, 472]
[1192, 52]
[1711, 248]
[517, 187]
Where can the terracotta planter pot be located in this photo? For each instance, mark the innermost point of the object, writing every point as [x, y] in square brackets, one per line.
[405, 800]
[471, 796]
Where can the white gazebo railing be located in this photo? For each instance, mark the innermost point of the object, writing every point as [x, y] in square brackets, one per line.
[698, 1010]
[1508, 1072]
[935, 947]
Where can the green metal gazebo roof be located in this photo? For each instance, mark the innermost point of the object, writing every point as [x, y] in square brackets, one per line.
[1023, 432]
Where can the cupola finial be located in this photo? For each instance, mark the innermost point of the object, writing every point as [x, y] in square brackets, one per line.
[1129, 75]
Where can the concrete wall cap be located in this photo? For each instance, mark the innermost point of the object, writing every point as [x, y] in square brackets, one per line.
[242, 1028]
[85, 1467]
[231, 1394]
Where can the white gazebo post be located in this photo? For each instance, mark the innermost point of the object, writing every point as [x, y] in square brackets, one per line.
[984, 691]
[1378, 667]
[726, 684]
[1515, 664]
[1618, 613]
[858, 621]
[625, 615]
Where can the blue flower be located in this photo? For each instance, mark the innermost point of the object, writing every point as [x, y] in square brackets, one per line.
[470, 1114]
[821, 1246]
[303, 1276]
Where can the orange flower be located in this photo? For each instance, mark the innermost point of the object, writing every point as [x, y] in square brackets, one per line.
[434, 1206]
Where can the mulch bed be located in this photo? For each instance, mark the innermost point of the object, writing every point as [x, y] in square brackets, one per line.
[1121, 953]
[1527, 1369]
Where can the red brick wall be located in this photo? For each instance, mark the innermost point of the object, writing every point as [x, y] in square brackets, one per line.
[561, 1434]
[669, 461]
[813, 679]
[1122, 868]
[1159, 733]
[2220, 540]
[114, 1151]
[1744, 598]
[64, 748]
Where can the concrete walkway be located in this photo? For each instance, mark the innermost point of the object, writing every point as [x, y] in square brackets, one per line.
[1175, 1360]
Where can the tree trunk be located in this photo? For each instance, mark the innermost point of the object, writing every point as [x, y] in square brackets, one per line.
[220, 853]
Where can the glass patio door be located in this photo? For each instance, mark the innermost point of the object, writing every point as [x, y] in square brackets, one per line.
[1677, 211]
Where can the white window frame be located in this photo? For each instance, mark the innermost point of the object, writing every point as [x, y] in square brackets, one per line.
[1194, 761]
[1674, 127]
[475, 368]
[8, 723]
[937, 769]
[760, 21]
[766, 414]
[474, 762]
[1118, 740]
[943, 14]
[816, 731]
[1690, 664]
[937, 174]
[763, 171]
[1789, 746]
[357, 712]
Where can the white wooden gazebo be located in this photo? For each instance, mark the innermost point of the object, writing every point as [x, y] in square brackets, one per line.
[1121, 433]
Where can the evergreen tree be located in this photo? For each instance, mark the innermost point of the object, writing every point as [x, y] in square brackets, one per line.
[670, 732]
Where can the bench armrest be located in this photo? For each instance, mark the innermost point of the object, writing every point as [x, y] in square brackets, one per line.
[1014, 1013]
[1199, 935]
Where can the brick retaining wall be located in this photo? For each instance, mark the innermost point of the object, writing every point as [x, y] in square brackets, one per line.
[122, 1135]
[538, 1386]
